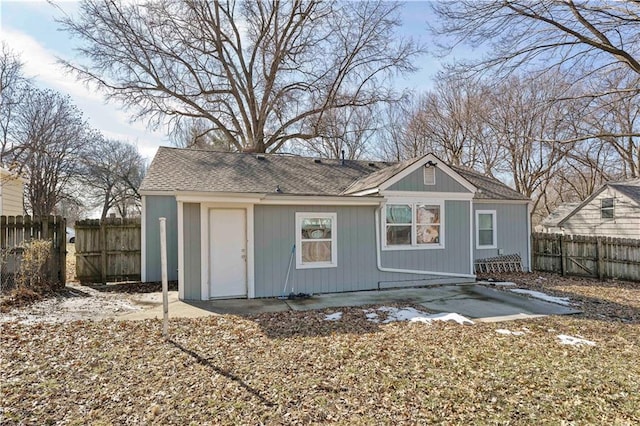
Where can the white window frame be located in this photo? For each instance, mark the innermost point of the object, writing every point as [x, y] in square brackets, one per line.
[612, 208]
[414, 225]
[494, 224]
[300, 216]
[425, 170]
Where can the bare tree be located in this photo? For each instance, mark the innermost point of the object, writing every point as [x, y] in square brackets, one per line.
[262, 73]
[587, 40]
[12, 87]
[348, 130]
[593, 37]
[113, 171]
[50, 132]
[197, 133]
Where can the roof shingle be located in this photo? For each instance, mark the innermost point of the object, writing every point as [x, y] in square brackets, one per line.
[192, 170]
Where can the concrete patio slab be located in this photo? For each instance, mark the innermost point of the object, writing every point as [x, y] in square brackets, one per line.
[474, 301]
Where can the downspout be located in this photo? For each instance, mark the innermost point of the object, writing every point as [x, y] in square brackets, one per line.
[406, 271]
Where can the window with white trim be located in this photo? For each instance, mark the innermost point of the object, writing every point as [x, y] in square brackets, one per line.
[486, 237]
[607, 208]
[316, 243]
[414, 225]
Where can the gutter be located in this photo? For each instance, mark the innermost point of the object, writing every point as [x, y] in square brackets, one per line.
[406, 271]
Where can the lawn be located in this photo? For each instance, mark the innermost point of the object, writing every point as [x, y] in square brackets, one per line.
[298, 367]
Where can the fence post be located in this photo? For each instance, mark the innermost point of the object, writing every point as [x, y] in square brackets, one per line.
[600, 257]
[563, 256]
[103, 250]
[165, 283]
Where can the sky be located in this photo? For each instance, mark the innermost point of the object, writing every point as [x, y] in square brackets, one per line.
[30, 29]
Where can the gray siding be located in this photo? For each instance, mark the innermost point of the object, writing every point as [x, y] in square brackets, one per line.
[511, 221]
[356, 270]
[155, 208]
[415, 182]
[192, 259]
[588, 220]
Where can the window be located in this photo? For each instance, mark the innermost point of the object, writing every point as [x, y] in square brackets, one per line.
[607, 208]
[316, 240]
[428, 224]
[429, 175]
[413, 225]
[486, 229]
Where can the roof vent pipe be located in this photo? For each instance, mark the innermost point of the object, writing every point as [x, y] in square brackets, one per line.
[342, 162]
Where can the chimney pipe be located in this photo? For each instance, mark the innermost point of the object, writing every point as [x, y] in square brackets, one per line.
[342, 162]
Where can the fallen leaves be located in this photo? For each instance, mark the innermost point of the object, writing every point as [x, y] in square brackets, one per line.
[299, 368]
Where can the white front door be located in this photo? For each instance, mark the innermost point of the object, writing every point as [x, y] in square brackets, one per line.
[228, 253]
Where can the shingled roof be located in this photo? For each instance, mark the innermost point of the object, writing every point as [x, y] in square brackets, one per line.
[630, 188]
[175, 169]
[192, 170]
[489, 188]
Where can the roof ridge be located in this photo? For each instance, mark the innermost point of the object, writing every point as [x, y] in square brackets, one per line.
[280, 155]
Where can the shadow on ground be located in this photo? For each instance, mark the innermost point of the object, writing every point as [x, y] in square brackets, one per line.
[132, 287]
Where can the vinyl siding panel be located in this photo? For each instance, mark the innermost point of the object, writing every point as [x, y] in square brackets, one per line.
[12, 198]
[512, 237]
[192, 259]
[356, 257]
[588, 220]
[155, 208]
[415, 182]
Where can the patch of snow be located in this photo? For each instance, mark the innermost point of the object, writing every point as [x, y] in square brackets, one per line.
[543, 296]
[414, 315]
[372, 316]
[509, 332]
[570, 340]
[85, 304]
[333, 317]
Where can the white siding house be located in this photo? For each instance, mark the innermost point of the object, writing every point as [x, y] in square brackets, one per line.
[11, 194]
[613, 211]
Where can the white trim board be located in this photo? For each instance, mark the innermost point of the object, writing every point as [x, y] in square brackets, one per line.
[180, 219]
[205, 244]
[420, 195]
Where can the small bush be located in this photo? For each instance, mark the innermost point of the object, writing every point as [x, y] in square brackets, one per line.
[33, 273]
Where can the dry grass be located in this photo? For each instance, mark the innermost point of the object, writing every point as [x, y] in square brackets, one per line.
[294, 367]
[71, 263]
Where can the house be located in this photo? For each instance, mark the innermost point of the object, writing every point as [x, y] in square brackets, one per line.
[550, 223]
[11, 194]
[247, 225]
[613, 210]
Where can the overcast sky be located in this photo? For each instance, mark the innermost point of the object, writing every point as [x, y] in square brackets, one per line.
[30, 29]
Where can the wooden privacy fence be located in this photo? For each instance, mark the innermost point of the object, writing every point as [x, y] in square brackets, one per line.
[16, 231]
[588, 256]
[109, 250]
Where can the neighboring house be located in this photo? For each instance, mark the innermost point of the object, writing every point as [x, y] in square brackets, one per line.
[613, 210]
[550, 223]
[234, 218]
[11, 194]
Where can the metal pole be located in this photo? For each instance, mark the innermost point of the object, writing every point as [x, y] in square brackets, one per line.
[165, 284]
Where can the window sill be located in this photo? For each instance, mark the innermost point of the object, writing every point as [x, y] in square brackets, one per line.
[486, 247]
[416, 247]
[317, 265]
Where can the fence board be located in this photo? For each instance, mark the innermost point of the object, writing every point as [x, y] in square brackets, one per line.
[16, 231]
[585, 255]
[108, 251]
